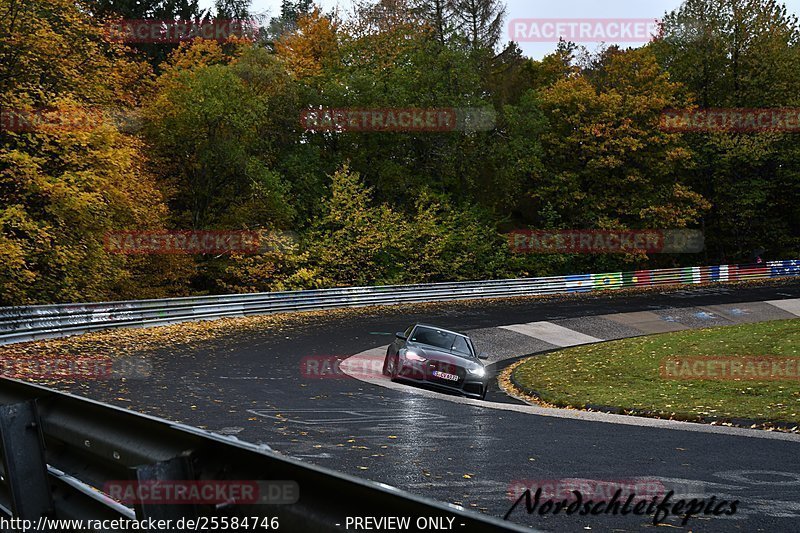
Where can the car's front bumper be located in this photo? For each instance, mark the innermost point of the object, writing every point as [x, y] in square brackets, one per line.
[419, 372]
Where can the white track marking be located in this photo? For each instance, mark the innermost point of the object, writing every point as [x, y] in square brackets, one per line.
[552, 333]
[790, 306]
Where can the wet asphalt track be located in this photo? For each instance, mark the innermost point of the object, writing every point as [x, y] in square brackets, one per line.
[253, 388]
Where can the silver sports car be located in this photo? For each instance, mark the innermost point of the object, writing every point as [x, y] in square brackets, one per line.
[438, 358]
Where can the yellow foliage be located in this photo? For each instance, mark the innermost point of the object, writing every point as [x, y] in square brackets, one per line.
[311, 47]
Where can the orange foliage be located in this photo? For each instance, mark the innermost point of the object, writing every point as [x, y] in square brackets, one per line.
[311, 47]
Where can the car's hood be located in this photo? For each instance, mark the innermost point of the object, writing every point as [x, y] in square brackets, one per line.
[445, 356]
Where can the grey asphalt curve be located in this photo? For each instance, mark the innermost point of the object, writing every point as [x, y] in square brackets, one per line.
[258, 387]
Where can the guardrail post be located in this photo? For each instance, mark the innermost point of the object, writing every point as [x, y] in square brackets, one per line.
[23, 458]
[176, 469]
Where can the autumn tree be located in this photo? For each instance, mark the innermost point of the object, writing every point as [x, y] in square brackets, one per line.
[355, 242]
[607, 164]
[71, 177]
[310, 48]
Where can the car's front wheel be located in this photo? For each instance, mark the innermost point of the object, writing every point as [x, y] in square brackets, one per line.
[386, 364]
[393, 364]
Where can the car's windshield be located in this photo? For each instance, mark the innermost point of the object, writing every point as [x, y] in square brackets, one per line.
[441, 339]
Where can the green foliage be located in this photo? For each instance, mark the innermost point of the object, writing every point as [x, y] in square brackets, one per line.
[741, 54]
[215, 129]
[358, 243]
[353, 242]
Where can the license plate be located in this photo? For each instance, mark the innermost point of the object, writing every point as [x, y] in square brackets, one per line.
[445, 375]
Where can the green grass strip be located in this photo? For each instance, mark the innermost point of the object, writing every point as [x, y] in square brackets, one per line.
[627, 374]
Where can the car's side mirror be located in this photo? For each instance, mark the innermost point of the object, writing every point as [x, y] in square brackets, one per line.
[400, 335]
[483, 355]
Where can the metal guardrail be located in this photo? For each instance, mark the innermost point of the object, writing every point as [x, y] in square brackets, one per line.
[59, 450]
[19, 324]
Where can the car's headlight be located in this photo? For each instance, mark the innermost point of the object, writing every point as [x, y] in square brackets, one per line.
[480, 371]
[411, 356]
